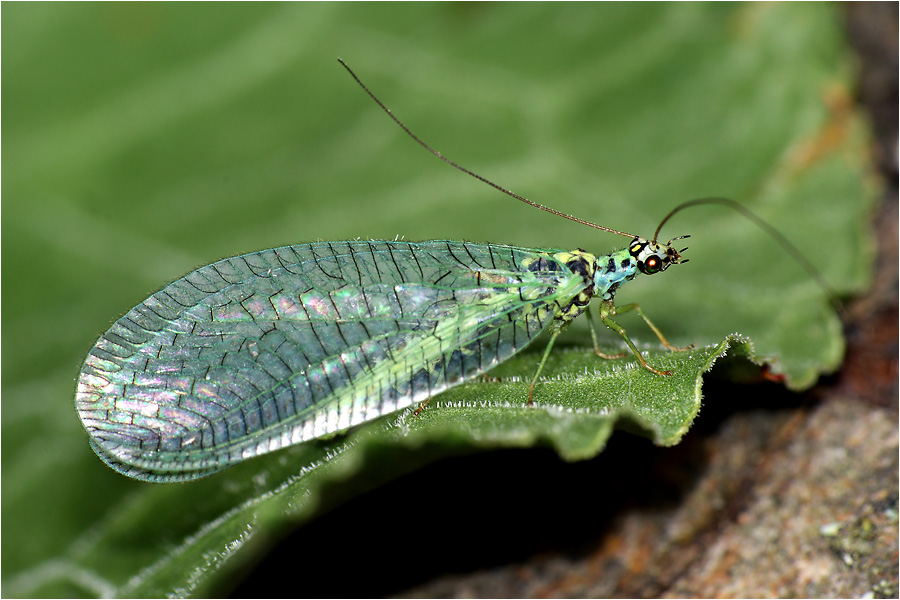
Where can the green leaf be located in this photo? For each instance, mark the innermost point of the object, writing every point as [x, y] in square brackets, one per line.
[143, 140]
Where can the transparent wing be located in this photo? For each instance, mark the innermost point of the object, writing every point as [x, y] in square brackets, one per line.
[257, 352]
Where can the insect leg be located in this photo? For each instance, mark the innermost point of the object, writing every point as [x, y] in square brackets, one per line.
[553, 336]
[421, 407]
[618, 310]
[607, 309]
[590, 316]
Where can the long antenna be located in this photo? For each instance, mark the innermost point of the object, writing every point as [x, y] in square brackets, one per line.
[473, 174]
[777, 235]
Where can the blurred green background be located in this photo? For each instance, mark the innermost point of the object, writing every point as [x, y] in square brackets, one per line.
[143, 140]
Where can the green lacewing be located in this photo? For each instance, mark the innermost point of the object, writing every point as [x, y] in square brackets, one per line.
[257, 352]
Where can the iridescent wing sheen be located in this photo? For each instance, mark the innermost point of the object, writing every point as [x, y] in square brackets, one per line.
[269, 349]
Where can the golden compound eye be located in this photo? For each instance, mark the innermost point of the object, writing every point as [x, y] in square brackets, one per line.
[652, 265]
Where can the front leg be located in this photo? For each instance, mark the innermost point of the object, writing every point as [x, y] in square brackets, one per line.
[608, 309]
[594, 339]
[618, 310]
